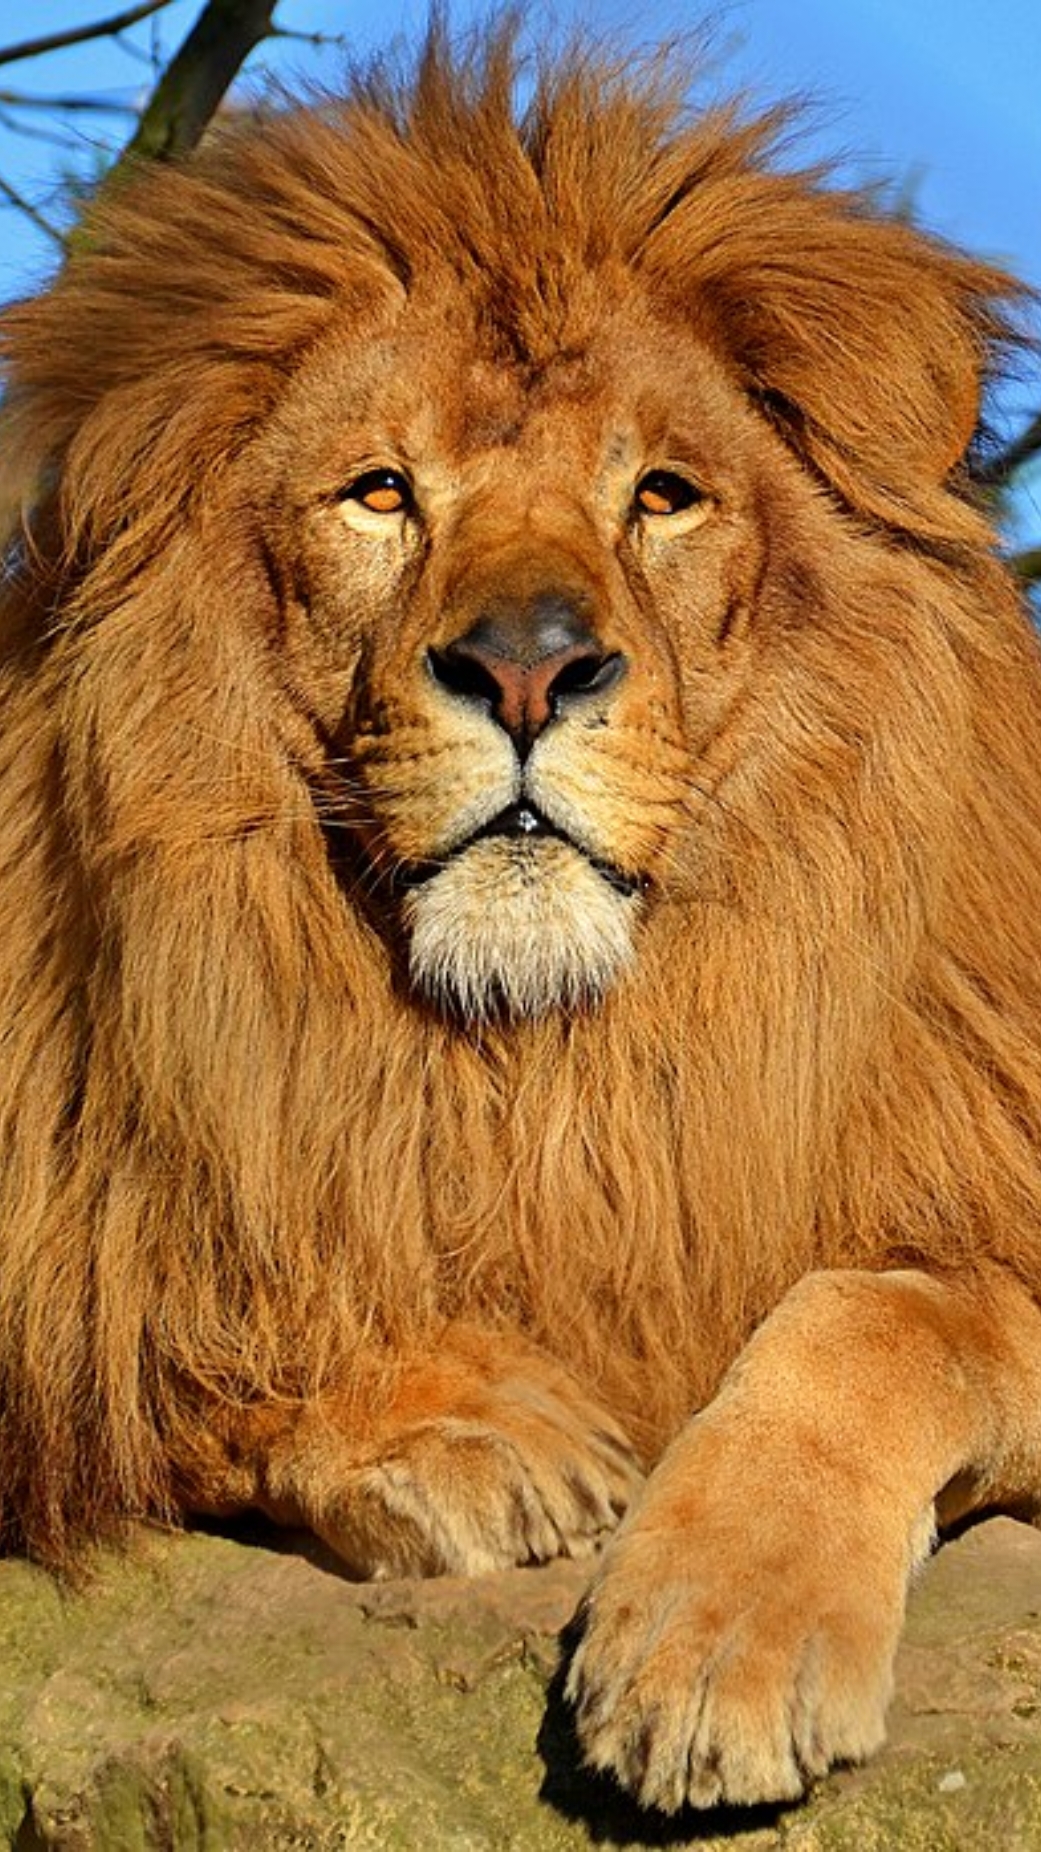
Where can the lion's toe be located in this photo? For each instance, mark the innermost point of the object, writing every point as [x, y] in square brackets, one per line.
[460, 1497]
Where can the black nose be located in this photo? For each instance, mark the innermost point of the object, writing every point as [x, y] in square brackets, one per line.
[526, 661]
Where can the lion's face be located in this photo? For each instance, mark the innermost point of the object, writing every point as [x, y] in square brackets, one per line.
[514, 599]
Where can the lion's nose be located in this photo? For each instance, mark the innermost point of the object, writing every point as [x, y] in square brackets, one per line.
[526, 663]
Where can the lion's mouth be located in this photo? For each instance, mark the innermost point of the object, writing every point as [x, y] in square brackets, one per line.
[525, 823]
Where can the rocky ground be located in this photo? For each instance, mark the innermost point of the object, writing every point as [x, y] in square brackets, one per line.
[213, 1695]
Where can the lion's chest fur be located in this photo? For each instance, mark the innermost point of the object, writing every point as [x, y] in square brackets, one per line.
[556, 1177]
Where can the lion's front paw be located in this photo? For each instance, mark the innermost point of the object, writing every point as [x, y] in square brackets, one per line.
[453, 1495]
[707, 1680]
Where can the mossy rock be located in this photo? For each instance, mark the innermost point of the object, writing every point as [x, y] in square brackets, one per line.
[207, 1695]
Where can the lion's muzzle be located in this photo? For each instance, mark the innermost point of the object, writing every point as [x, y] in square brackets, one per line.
[520, 914]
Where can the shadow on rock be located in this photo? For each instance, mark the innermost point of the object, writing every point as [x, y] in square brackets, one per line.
[256, 1532]
[610, 1816]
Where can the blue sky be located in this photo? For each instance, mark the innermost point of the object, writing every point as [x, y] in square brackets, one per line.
[945, 89]
[943, 93]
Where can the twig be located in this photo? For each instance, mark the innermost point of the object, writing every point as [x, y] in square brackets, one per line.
[15, 198]
[77, 35]
[66, 105]
[133, 51]
[69, 141]
[309, 38]
[995, 473]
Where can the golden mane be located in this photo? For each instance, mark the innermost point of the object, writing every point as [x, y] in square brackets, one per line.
[237, 1157]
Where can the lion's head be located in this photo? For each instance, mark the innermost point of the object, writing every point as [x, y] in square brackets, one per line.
[538, 442]
[500, 666]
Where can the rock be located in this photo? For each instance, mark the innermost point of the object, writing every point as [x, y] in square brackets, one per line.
[208, 1695]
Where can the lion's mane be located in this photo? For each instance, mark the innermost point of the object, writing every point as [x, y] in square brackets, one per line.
[238, 1157]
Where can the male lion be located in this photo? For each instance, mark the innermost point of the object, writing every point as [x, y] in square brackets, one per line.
[520, 780]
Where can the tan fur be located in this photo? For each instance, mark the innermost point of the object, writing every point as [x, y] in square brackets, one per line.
[412, 1216]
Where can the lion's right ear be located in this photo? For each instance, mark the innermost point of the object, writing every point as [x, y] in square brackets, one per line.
[867, 343]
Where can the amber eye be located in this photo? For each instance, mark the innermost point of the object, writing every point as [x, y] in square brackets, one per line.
[661, 491]
[383, 491]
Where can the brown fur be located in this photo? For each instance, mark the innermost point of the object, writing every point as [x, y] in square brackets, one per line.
[275, 1225]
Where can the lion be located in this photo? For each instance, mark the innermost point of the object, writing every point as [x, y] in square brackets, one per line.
[520, 788]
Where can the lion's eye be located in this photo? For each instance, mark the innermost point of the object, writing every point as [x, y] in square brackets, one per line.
[382, 491]
[661, 491]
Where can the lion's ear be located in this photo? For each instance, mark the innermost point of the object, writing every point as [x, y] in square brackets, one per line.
[865, 341]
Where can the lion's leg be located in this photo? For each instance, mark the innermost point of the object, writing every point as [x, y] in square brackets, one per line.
[485, 1455]
[740, 1635]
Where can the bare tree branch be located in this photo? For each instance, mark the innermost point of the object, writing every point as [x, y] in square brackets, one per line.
[12, 195]
[997, 470]
[308, 38]
[66, 105]
[78, 35]
[190, 90]
[68, 140]
[1027, 566]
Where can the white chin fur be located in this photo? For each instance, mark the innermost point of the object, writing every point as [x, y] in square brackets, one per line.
[517, 926]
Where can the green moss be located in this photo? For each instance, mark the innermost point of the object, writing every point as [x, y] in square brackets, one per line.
[211, 1697]
[915, 1807]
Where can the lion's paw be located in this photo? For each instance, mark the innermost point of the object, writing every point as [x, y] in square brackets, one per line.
[707, 1682]
[457, 1496]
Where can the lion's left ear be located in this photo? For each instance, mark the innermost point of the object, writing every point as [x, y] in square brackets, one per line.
[865, 341]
